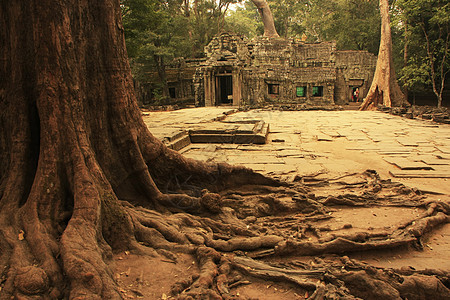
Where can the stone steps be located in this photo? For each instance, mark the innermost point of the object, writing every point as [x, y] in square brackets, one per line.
[178, 141]
[352, 106]
[258, 135]
[238, 135]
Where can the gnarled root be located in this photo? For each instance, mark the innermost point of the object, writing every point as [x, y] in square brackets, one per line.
[222, 230]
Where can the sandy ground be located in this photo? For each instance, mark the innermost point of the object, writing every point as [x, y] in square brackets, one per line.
[319, 143]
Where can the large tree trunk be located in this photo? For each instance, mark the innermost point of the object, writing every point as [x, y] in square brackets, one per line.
[72, 143]
[267, 18]
[405, 58]
[384, 89]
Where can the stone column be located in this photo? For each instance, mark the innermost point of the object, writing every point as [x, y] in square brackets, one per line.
[237, 82]
[208, 89]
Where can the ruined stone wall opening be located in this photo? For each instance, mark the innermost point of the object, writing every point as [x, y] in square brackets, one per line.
[172, 92]
[239, 72]
[301, 91]
[317, 91]
[224, 92]
[273, 88]
[355, 93]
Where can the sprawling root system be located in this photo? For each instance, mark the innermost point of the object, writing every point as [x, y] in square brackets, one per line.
[240, 226]
[283, 233]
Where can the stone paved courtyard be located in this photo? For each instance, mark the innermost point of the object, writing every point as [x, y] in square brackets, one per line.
[415, 152]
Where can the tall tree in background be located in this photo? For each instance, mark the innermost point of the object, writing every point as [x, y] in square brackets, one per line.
[288, 16]
[208, 19]
[384, 89]
[244, 20]
[354, 25]
[155, 33]
[429, 37]
[267, 18]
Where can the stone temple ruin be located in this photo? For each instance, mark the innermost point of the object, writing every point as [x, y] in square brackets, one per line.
[241, 72]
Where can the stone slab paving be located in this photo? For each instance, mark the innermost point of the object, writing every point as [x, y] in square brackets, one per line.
[406, 163]
[335, 142]
[378, 132]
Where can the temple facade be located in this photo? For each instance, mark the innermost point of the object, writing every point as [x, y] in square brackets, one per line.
[241, 72]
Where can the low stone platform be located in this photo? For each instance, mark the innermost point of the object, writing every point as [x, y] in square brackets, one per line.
[232, 133]
[178, 129]
[178, 140]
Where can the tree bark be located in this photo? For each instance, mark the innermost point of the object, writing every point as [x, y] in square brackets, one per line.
[384, 89]
[405, 57]
[72, 144]
[267, 18]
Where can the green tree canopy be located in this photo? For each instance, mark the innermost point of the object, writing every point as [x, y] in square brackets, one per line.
[158, 30]
[154, 29]
[425, 25]
[353, 24]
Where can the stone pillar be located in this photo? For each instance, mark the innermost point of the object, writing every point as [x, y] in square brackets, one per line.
[237, 83]
[209, 91]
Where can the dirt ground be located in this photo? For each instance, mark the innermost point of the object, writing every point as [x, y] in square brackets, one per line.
[303, 148]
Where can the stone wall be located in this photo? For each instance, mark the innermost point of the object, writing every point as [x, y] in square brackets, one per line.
[227, 46]
[289, 64]
[237, 71]
[353, 69]
[180, 75]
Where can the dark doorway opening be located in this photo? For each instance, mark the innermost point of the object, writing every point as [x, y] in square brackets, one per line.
[225, 92]
[172, 92]
[273, 89]
[355, 96]
[317, 91]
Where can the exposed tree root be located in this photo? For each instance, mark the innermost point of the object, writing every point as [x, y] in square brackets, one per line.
[343, 278]
[233, 227]
[225, 231]
[224, 243]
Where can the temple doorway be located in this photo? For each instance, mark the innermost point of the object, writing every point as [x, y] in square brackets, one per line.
[355, 95]
[224, 92]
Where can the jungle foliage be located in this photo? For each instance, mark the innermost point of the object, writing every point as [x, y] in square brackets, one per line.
[159, 30]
